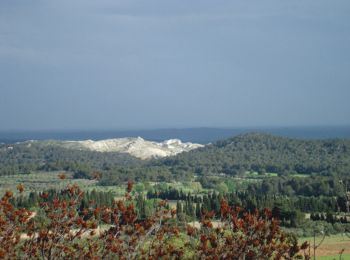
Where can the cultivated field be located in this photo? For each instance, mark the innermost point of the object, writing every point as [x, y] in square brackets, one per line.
[331, 247]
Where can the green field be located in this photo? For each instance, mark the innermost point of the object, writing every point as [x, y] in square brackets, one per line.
[41, 181]
[254, 175]
[334, 257]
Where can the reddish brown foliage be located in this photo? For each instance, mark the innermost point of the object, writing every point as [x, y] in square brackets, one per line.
[130, 186]
[244, 235]
[62, 176]
[20, 188]
[12, 223]
[72, 234]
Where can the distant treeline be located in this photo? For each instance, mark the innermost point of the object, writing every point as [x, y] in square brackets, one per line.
[306, 186]
[290, 210]
[249, 152]
[252, 201]
[90, 199]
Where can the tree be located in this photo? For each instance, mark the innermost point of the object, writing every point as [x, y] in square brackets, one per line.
[71, 233]
[221, 188]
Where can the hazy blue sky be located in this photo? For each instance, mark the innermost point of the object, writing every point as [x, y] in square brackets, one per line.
[68, 64]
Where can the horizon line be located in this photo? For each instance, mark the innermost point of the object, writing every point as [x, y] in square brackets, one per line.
[107, 129]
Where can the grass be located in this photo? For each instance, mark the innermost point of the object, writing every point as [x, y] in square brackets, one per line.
[334, 257]
[255, 175]
[331, 247]
[300, 175]
[118, 191]
[40, 181]
[186, 187]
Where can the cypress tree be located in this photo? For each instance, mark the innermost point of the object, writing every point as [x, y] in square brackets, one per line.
[198, 210]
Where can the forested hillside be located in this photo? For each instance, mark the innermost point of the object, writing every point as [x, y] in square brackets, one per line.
[249, 152]
[27, 157]
[266, 153]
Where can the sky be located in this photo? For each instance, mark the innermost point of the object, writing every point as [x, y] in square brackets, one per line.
[112, 64]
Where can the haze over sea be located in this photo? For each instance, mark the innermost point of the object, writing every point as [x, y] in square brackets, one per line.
[201, 135]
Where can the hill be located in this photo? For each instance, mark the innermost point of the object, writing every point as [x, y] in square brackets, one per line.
[83, 157]
[254, 152]
[261, 153]
[137, 147]
[39, 156]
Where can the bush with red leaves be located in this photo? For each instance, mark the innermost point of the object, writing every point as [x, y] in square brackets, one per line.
[12, 225]
[71, 233]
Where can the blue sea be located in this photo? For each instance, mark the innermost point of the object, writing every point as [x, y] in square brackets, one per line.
[196, 135]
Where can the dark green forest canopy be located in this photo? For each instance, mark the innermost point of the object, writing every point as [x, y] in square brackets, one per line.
[26, 157]
[254, 152]
[266, 153]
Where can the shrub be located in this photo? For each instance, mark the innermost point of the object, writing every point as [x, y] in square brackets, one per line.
[73, 233]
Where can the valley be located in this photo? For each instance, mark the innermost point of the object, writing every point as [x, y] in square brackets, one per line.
[304, 182]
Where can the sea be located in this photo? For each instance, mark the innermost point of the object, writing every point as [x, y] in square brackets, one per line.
[203, 135]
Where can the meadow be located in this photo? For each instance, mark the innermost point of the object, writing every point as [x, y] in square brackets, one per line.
[331, 246]
[40, 181]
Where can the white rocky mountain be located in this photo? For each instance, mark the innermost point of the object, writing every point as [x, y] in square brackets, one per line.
[137, 147]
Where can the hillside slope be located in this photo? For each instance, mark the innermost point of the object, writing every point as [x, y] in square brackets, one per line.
[266, 153]
[137, 147]
[84, 156]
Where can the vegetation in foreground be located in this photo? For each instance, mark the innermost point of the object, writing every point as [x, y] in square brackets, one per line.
[71, 232]
[305, 183]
